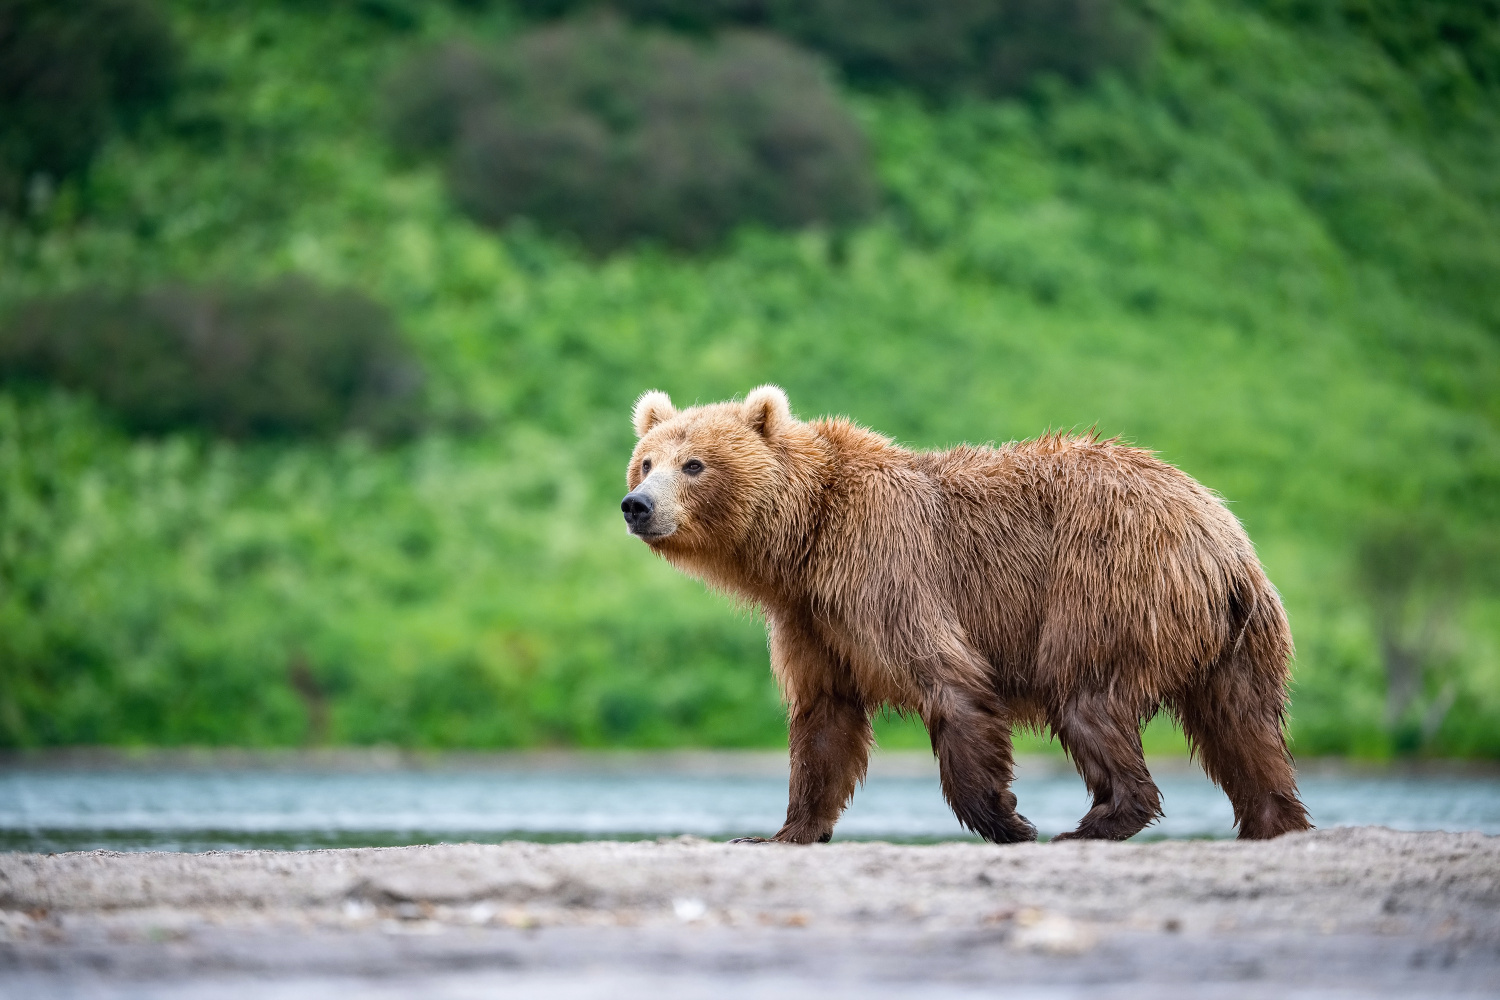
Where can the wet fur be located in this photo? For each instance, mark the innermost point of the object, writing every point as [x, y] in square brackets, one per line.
[1064, 583]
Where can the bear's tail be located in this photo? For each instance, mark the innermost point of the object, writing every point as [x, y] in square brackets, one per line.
[1257, 620]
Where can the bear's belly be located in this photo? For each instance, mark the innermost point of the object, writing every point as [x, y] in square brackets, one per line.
[879, 681]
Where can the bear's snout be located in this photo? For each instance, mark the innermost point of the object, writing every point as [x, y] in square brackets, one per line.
[637, 508]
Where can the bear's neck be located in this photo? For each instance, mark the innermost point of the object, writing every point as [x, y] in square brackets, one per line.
[773, 566]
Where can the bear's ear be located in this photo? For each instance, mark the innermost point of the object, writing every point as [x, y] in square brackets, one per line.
[767, 410]
[651, 409]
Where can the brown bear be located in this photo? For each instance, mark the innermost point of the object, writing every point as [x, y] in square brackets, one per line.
[1065, 583]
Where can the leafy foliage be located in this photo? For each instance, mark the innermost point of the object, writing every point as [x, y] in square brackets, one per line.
[1450, 47]
[70, 75]
[1415, 580]
[614, 135]
[1438, 89]
[983, 47]
[695, 16]
[284, 360]
[976, 47]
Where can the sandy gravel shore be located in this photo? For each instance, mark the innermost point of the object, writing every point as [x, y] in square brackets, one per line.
[1349, 912]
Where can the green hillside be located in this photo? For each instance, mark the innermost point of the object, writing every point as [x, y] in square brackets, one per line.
[1271, 253]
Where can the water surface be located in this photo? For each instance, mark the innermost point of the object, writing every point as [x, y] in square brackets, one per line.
[218, 808]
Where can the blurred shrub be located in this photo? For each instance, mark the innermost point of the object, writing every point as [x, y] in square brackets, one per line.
[613, 134]
[683, 15]
[989, 47]
[284, 360]
[986, 47]
[429, 99]
[70, 73]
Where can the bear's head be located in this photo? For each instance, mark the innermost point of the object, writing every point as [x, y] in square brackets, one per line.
[705, 479]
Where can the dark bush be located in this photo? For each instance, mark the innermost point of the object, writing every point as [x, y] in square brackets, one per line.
[683, 15]
[70, 74]
[430, 97]
[983, 47]
[289, 359]
[613, 134]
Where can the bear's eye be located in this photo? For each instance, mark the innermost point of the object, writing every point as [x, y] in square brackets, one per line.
[693, 467]
[646, 467]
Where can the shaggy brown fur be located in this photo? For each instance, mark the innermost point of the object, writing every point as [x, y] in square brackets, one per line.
[1066, 582]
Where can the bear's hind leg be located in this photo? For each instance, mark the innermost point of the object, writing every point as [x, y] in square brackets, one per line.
[971, 739]
[1236, 730]
[1105, 745]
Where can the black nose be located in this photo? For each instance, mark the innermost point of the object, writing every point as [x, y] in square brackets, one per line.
[637, 508]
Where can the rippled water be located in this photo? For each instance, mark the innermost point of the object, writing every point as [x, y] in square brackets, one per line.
[51, 809]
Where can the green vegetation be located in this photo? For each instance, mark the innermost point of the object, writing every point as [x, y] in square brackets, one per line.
[1270, 254]
[941, 50]
[70, 75]
[285, 360]
[613, 135]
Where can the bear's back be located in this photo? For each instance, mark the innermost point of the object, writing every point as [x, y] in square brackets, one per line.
[1099, 550]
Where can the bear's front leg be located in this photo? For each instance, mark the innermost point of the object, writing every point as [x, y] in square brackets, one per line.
[829, 729]
[830, 749]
